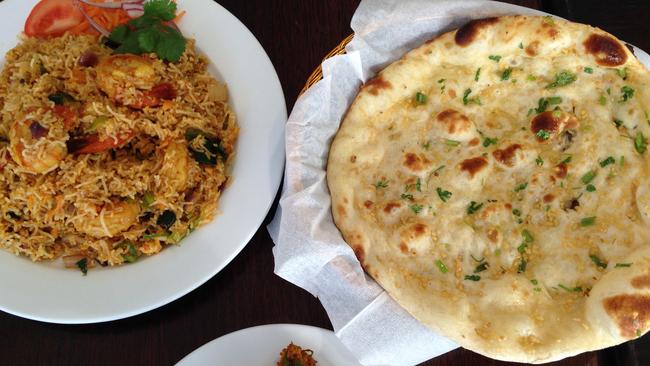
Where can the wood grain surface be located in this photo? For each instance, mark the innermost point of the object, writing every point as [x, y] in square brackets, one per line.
[296, 34]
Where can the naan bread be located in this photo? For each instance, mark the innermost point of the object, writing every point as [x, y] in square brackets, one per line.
[495, 182]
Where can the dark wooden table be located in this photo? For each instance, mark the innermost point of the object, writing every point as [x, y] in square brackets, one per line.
[296, 34]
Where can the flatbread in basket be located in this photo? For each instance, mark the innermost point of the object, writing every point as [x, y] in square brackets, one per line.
[495, 182]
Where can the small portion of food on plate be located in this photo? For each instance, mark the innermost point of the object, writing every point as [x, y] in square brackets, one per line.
[494, 181]
[293, 355]
[111, 147]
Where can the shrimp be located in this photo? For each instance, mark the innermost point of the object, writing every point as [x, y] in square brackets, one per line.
[175, 165]
[132, 81]
[33, 149]
[110, 220]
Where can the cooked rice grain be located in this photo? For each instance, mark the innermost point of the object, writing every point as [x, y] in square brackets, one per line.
[55, 203]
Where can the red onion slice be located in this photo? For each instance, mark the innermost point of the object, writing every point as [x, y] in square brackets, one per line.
[133, 10]
[113, 5]
[37, 130]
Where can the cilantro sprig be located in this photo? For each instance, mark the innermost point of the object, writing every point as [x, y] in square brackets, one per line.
[420, 98]
[626, 93]
[481, 267]
[543, 134]
[609, 160]
[441, 266]
[640, 143]
[443, 194]
[490, 141]
[521, 187]
[473, 207]
[562, 78]
[82, 264]
[598, 262]
[381, 184]
[543, 103]
[163, 9]
[149, 33]
[505, 75]
[588, 221]
[570, 289]
[588, 177]
[473, 100]
[416, 208]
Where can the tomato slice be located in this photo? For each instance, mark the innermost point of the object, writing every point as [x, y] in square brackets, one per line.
[52, 18]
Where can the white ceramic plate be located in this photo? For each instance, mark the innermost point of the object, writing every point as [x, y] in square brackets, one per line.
[262, 345]
[51, 293]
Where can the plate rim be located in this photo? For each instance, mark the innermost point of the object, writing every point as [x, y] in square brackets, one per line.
[291, 326]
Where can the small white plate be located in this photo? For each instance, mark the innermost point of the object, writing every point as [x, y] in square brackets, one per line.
[262, 345]
[51, 293]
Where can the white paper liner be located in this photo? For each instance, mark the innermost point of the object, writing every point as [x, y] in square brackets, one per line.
[309, 250]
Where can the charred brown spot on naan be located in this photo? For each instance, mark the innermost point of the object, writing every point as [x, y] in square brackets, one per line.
[353, 159]
[607, 50]
[641, 282]
[473, 142]
[368, 204]
[473, 165]
[360, 254]
[547, 122]
[354, 238]
[532, 49]
[493, 235]
[469, 32]
[376, 84]
[548, 198]
[490, 211]
[414, 238]
[552, 32]
[507, 156]
[561, 170]
[553, 123]
[454, 122]
[340, 209]
[419, 229]
[391, 206]
[630, 312]
[416, 162]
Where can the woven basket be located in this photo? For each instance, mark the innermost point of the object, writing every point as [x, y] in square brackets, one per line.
[317, 74]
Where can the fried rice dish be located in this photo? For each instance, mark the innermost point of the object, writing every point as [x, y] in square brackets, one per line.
[107, 157]
[294, 355]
